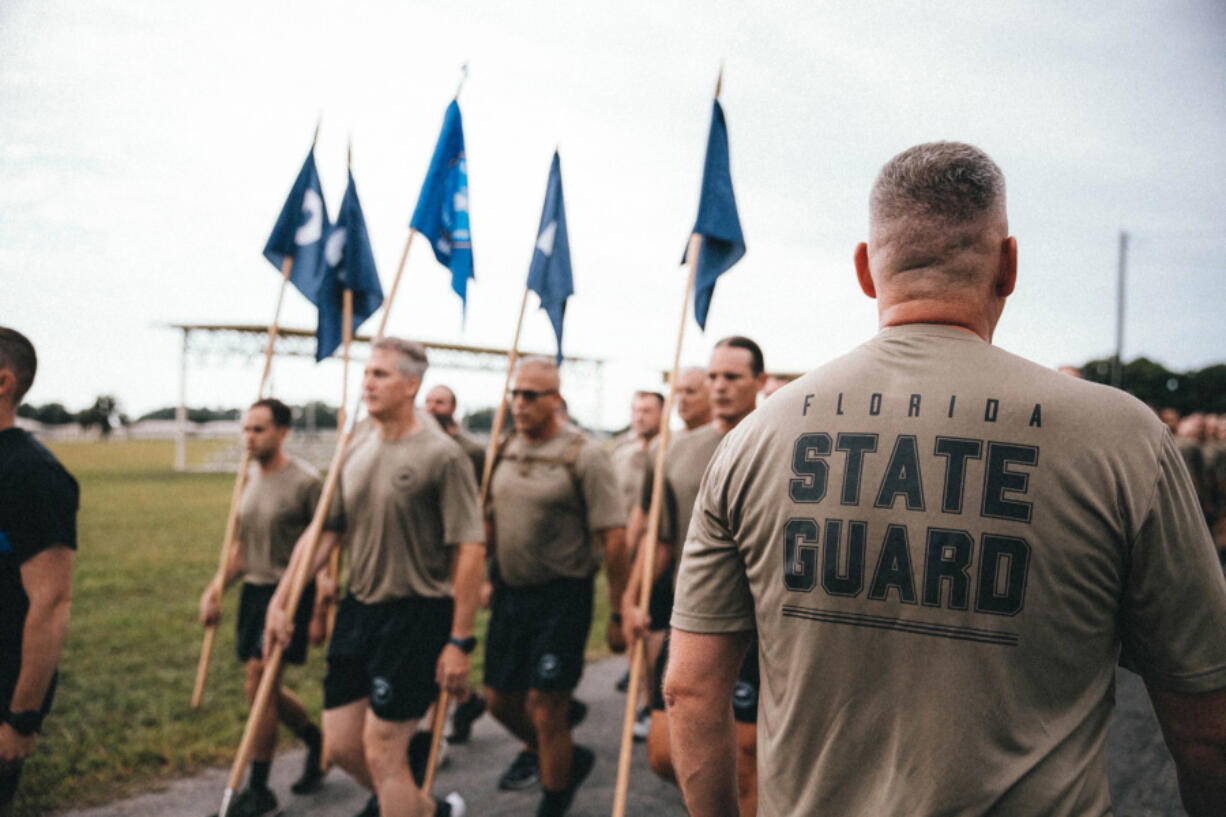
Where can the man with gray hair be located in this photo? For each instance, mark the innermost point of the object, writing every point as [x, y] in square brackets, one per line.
[407, 507]
[38, 534]
[944, 548]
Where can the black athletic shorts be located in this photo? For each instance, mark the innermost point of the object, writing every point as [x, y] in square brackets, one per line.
[9, 671]
[537, 636]
[660, 608]
[252, 607]
[387, 652]
[744, 694]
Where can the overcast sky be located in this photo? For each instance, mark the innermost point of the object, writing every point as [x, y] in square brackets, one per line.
[146, 149]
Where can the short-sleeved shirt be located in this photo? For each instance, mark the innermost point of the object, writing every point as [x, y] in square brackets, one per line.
[274, 511]
[402, 505]
[943, 548]
[38, 510]
[546, 513]
[629, 459]
[688, 454]
[473, 449]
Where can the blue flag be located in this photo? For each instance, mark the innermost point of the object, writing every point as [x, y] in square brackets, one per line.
[718, 224]
[549, 276]
[350, 265]
[441, 214]
[300, 232]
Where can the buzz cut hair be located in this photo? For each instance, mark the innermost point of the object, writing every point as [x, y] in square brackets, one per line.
[757, 364]
[282, 415]
[17, 355]
[646, 393]
[411, 357]
[949, 182]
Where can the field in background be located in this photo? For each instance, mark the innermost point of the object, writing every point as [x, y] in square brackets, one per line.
[148, 543]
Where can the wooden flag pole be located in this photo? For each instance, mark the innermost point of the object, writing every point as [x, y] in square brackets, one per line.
[334, 561]
[440, 706]
[272, 664]
[240, 481]
[649, 547]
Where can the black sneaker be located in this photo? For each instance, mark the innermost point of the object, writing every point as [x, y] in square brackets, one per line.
[464, 716]
[555, 803]
[575, 713]
[523, 773]
[253, 802]
[371, 809]
[312, 777]
[623, 683]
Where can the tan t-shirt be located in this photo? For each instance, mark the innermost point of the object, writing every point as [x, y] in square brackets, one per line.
[628, 460]
[689, 452]
[274, 511]
[943, 547]
[545, 519]
[403, 504]
[473, 449]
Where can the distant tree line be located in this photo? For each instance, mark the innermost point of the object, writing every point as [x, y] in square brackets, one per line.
[104, 413]
[1197, 390]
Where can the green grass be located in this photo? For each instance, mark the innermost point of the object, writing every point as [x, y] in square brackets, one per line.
[148, 542]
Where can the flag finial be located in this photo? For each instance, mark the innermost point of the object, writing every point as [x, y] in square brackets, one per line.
[463, 77]
[318, 122]
[719, 80]
[349, 154]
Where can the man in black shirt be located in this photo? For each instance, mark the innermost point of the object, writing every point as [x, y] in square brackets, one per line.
[38, 533]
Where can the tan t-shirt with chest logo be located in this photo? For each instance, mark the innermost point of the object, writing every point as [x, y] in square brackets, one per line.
[403, 504]
[274, 511]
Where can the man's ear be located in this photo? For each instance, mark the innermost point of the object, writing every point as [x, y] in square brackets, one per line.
[863, 275]
[1006, 276]
[8, 382]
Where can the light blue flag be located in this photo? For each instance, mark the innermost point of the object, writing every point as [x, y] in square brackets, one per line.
[550, 276]
[441, 214]
[300, 231]
[350, 264]
[717, 223]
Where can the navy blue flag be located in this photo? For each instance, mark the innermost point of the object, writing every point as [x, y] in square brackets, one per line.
[718, 224]
[441, 214]
[549, 276]
[300, 232]
[350, 265]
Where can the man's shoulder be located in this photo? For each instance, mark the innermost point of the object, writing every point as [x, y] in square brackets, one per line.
[25, 461]
[301, 471]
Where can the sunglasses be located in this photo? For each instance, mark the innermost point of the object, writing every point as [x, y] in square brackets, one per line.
[530, 395]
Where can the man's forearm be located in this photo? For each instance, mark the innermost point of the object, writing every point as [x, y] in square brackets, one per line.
[42, 641]
[469, 573]
[617, 564]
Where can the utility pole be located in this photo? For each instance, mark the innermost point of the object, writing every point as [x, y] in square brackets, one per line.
[1117, 365]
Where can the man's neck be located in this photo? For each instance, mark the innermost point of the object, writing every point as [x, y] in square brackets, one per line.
[398, 426]
[644, 440]
[545, 433]
[976, 322]
[727, 424]
[697, 422]
[8, 417]
[274, 463]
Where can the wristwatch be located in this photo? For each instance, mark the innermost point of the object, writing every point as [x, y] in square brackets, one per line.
[24, 723]
[465, 645]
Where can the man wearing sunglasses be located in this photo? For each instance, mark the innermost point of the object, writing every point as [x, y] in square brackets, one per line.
[552, 512]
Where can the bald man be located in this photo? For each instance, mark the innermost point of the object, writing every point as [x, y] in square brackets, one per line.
[552, 511]
[944, 548]
[441, 405]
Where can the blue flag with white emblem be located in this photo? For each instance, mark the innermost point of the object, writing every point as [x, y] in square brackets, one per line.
[350, 264]
[441, 214]
[300, 231]
[549, 276]
[718, 223]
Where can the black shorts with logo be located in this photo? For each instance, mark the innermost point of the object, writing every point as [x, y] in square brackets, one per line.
[387, 652]
[253, 606]
[744, 694]
[537, 636]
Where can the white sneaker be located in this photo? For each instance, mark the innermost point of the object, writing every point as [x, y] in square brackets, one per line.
[642, 724]
[457, 804]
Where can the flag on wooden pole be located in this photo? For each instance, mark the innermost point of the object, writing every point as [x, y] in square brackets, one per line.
[300, 231]
[441, 214]
[549, 275]
[350, 265]
[717, 223]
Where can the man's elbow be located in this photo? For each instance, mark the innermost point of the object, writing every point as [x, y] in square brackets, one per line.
[685, 693]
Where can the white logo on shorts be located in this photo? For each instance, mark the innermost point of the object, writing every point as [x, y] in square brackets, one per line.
[548, 667]
[744, 697]
[380, 691]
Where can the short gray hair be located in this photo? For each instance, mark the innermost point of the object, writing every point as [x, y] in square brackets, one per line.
[410, 355]
[950, 182]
